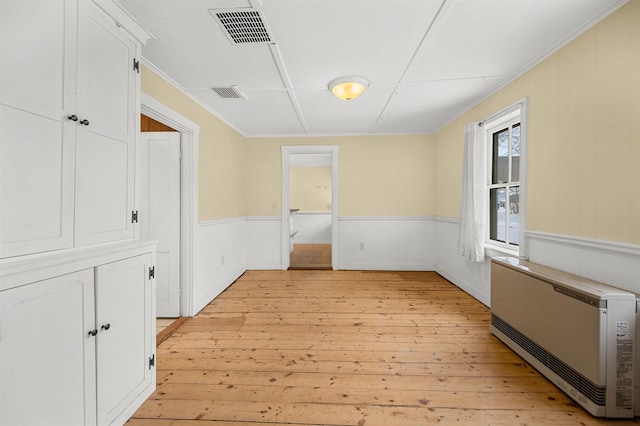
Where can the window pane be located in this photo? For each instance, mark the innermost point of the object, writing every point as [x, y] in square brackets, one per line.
[498, 214]
[500, 172]
[514, 215]
[515, 153]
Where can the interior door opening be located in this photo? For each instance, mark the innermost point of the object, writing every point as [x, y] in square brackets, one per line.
[160, 213]
[310, 221]
[310, 207]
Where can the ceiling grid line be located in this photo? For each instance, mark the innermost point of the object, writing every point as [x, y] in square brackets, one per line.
[427, 61]
[406, 69]
[277, 58]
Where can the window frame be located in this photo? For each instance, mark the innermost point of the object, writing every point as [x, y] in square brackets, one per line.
[516, 113]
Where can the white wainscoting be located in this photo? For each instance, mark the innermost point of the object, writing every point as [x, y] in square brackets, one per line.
[312, 228]
[220, 258]
[399, 243]
[474, 278]
[263, 242]
[387, 243]
[612, 263]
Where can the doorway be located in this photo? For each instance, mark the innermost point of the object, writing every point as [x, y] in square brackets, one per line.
[310, 201]
[188, 181]
[159, 209]
[294, 157]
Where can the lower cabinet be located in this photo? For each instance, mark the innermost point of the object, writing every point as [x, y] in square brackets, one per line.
[124, 354]
[78, 349]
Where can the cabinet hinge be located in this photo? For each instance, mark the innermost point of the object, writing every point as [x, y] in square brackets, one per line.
[152, 361]
[136, 65]
[134, 216]
[152, 272]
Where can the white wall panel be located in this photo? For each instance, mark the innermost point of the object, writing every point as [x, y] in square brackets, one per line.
[611, 263]
[615, 264]
[220, 258]
[263, 242]
[474, 278]
[387, 243]
[313, 228]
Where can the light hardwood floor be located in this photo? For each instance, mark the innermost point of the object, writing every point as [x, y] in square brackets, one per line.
[310, 256]
[347, 348]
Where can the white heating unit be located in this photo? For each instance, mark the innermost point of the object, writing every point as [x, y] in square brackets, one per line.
[578, 333]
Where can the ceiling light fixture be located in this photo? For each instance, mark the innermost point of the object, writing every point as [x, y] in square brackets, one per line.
[348, 88]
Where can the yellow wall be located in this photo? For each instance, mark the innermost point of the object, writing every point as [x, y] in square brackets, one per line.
[377, 175]
[311, 189]
[584, 135]
[221, 165]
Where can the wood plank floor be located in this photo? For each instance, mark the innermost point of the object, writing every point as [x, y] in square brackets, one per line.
[347, 348]
[310, 256]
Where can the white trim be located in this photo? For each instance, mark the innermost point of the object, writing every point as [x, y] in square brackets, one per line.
[356, 218]
[124, 20]
[184, 91]
[264, 218]
[190, 133]
[215, 222]
[287, 151]
[610, 246]
[377, 267]
[446, 219]
[517, 110]
[466, 286]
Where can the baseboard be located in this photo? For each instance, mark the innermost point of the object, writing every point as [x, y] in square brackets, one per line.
[214, 292]
[464, 286]
[379, 267]
[264, 266]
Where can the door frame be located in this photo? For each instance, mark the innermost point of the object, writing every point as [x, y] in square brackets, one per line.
[309, 150]
[189, 141]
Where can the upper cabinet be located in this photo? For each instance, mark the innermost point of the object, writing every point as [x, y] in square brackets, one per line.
[105, 136]
[69, 102]
[37, 140]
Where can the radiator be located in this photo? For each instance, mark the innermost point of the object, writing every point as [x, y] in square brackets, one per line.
[578, 333]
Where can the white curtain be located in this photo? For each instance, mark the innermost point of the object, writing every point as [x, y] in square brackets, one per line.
[473, 205]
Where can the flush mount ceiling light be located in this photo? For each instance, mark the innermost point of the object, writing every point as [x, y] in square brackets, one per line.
[348, 88]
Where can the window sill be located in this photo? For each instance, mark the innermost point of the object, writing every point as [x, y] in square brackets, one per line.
[496, 251]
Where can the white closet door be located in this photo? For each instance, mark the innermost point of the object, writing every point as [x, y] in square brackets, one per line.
[106, 136]
[47, 357]
[123, 301]
[37, 79]
[160, 213]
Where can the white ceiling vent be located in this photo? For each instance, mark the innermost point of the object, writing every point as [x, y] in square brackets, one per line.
[243, 25]
[231, 92]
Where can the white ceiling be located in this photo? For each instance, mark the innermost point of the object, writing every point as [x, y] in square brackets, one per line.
[427, 61]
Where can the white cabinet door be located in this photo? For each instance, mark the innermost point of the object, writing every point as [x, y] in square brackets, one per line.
[159, 163]
[105, 145]
[124, 322]
[47, 356]
[37, 95]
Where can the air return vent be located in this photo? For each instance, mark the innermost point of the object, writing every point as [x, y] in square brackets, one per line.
[244, 25]
[231, 92]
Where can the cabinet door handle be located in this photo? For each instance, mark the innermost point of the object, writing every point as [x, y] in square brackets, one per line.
[106, 326]
[85, 122]
[73, 117]
[93, 332]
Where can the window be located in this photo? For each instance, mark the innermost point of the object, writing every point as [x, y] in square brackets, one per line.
[503, 183]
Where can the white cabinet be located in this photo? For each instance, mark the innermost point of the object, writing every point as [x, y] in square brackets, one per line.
[78, 348]
[47, 358]
[69, 91]
[37, 140]
[105, 144]
[125, 355]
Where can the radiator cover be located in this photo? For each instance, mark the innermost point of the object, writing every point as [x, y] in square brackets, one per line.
[578, 333]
